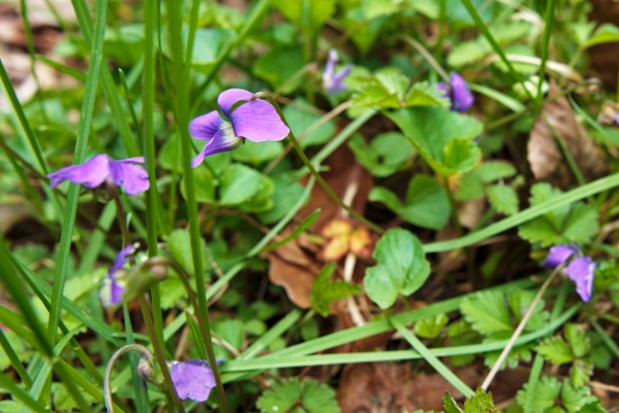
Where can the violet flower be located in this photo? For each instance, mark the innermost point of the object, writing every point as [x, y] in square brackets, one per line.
[458, 93]
[332, 80]
[256, 120]
[192, 379]
[113, 287]
[99, 169]
[580, 269]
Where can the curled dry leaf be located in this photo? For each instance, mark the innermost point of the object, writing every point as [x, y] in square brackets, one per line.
[544, 154]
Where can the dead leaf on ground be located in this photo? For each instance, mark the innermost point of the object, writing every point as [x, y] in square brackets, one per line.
[544, 155]
[394, 388]
[295, 265]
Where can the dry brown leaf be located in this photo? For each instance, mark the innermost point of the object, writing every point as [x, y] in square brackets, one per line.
[544, 155]
[393, 388]
[294, 266]
[605, 57]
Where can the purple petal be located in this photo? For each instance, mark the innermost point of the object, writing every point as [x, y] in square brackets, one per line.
[581, 271]
[206, 126]
[131, 176]
[331, 80]
[192, 379]
[223, 141]
[111, 293]
[121, 258]
[444, 88]
[91, 173]
[462, 97]
[558, 254]
[117, 292]
[258, 121]
[228, 98]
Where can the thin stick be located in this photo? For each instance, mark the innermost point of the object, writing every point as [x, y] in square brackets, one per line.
[107, 391]
[519, 329]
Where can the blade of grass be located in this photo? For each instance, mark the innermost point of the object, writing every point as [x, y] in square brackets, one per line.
[62, 257]
[528, 214]
[139, 390]
[549, 20]
[15, 360]
[432, 360]
[21, 395]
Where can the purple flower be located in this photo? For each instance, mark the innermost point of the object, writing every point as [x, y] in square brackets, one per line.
[101, 168]
[458, 92]
[192, 379]
[113, 288]
[581, 270]
[255, 120]
[558, 254]
[331, 80]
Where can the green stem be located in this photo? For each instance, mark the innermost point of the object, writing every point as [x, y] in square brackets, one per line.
[120, 212]
[107, 391]
[159, 356]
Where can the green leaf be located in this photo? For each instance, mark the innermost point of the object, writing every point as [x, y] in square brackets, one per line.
[261, 200]
[450, 405]
[238, 184]
[574, 398]
[287, 191]
[606, 33]
[277, 66]
[517, 355]
[257, 152]
[324, 291]
[426, 94]
[480, 403]
[431, 327]
[503, 198]
[491, 171]
[442, 137]
[470, 187]
[204, 186]
[576, 223]
[308, 15]
[401, 267]
[487, 312]
[307, 394]
[579, 342]
[207, 46]
[427, 204]
[175, 292]
[581, 371]
[385, 154]
[545, 394]
[179, 245]
[556, 350]
[231, 332]
[301, 118]
[520, 301]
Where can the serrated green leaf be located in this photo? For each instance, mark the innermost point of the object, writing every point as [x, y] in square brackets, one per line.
[567, 223]
[374, 94]
[545, 394]
[517, 354]
[431, 327]
[427, 204]
[439, 135]
[574, 398]
[385, 154]
[487, 312]
[450, 405]
[556, 350]
[401, 267]
[593, 407]
[503, 198]
[578, 340]
[520, 301]
[324, 291]
[581, 371]
[308, 394]
[480, 403]
[426, 94]
[491, 171]
[175, 292]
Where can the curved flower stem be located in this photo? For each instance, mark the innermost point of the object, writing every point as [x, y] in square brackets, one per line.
[159, 356]
[314, 172]
[107, 391]
[519, 329]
